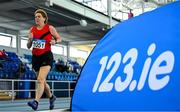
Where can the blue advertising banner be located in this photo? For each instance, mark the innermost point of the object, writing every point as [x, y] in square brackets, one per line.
[135, 66]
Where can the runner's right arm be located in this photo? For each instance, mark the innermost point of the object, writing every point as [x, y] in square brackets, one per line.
[30, 37]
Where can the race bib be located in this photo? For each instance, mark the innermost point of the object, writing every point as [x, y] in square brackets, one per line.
[38, 43]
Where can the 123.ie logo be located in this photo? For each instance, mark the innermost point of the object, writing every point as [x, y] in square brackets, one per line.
[149, 73]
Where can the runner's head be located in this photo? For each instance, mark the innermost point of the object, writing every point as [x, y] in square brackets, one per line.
[40, 16]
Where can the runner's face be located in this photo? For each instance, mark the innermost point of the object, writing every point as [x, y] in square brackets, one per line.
[39, 19]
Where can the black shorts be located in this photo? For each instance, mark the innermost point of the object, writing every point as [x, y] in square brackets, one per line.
[42, 60]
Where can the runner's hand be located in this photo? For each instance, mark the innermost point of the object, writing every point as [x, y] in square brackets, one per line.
[53, 42]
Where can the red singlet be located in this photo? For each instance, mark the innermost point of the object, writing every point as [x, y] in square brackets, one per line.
[41, 46]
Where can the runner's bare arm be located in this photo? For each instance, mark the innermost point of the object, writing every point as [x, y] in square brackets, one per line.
[30, 37]
[57, 38]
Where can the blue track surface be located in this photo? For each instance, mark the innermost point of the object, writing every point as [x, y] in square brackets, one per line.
[61, 104]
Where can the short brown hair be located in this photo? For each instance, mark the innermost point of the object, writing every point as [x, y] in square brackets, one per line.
[43, 13]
